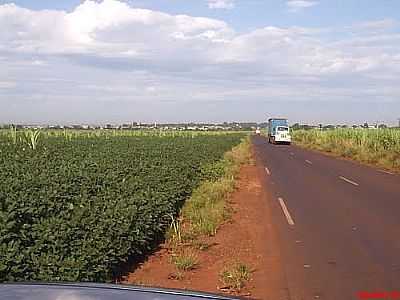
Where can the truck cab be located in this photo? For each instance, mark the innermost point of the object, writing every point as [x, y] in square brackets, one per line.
[279, 131]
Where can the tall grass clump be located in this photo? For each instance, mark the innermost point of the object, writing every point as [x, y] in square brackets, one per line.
[380, 147]
[206, 209]
[32, 138]
[235, 276]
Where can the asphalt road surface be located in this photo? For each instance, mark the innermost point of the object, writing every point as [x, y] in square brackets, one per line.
[338, 224]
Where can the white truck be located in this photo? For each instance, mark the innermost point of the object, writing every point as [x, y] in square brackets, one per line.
[278, 131]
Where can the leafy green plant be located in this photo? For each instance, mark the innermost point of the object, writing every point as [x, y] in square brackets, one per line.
[76, 209]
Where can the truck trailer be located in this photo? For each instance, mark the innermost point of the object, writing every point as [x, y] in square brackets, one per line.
[279, 131]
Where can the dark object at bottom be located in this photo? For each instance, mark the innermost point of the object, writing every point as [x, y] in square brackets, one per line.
[65, 291]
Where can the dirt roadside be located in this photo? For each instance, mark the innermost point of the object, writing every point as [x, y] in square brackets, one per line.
[249, 237]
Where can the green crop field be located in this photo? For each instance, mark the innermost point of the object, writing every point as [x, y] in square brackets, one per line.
[373, 146]
[74, 206]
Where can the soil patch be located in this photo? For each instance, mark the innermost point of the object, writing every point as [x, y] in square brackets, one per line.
[248, 237]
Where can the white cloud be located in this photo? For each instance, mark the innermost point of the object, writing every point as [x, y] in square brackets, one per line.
[7, 84]
[296, 5]
[110, 27]
[375, 26]
[109, 51]
[38, 62]
[223, 4]
[113, 34]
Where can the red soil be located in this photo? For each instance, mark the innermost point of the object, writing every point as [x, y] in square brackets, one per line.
[249, 237]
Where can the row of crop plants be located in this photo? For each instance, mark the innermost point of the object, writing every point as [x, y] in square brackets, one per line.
[76, 208]
[14, 133]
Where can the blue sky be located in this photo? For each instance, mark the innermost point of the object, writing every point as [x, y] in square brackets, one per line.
[199, 60]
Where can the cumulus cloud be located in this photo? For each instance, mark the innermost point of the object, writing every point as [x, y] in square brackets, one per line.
[112, 34]
[110, 51]
[297, 5]
[224, 4]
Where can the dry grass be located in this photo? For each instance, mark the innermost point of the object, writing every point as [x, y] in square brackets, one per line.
[185, 259]
[206, 209]
[235, 276]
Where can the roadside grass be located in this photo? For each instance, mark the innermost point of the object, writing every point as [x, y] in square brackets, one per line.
[206, 209]
[235, 276]
[185, 259]
[380, 147]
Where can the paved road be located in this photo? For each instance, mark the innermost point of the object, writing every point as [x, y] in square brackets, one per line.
[338, 223]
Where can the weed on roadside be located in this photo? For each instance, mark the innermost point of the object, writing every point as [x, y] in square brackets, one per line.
[174, 234]
[235, 276]
[177, 275]
[185, 260]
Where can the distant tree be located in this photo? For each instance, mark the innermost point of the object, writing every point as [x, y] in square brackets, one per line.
[366, 125]
[306, 127]
[382, 126]
[296, 126]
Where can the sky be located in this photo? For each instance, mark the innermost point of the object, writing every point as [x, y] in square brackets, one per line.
[114, 61]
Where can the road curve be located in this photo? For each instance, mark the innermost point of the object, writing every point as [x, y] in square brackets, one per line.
[338, 223]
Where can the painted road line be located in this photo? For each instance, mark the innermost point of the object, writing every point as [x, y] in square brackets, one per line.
[291, 153]
[349, 181]
[386, 172]
[308, 161]
[286, 212]
[268, 171]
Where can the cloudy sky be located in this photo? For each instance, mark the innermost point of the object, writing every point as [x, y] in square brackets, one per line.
[321, 61]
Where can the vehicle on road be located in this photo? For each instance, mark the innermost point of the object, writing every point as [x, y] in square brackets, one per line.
[278, 131]
[258, 131]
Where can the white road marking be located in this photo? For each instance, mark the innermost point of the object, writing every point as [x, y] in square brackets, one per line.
[268, 171]
[286, 212]
[349, 181]
[308, 161]
[386, 172]
[291, 153]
